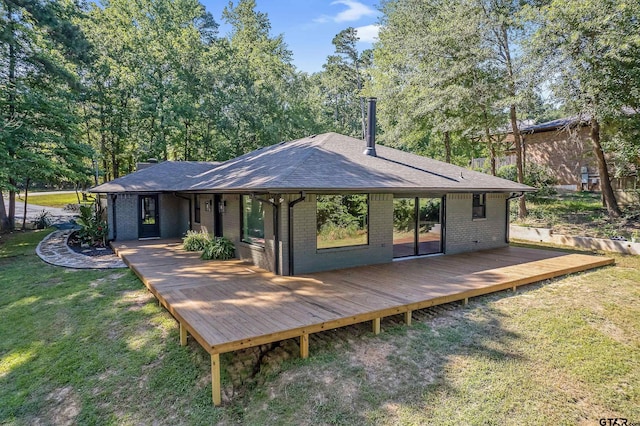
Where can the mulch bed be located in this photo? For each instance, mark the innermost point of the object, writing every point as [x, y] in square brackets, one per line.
[75, 244]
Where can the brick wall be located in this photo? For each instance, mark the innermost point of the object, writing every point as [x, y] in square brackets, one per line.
[563, 152]
[126, 217]
[307, 258]
[463, 233]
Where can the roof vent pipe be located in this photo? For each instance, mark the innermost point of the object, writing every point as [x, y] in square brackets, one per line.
[371, 128]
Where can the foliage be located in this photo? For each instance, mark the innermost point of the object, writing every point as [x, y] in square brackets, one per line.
[93, 228]
[196, 241]
[43, 220]
[219, 248]
[41, 50]
[535, 175]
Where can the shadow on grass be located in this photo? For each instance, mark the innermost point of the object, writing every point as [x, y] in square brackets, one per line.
[87, 347]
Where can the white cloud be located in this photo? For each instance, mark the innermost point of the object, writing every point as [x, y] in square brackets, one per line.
[368, 33]
[354, 12]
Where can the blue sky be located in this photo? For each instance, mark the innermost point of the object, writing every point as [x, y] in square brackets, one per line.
[308, 26]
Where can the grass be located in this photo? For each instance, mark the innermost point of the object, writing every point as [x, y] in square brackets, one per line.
[578, 213]
[52, 200]
[92, 347]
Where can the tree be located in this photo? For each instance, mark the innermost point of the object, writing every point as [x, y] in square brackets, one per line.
[41, 47]
[591, 50]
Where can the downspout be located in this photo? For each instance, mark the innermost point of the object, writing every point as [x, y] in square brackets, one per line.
[175, 194]
[290, 217]
[513, 196]
[113, 212]
[276, 234]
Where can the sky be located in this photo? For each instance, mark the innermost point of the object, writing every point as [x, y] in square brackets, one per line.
[308, 26]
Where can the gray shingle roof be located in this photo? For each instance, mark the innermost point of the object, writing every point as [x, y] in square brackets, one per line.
[328, 162]
[161, 177]
[335, 162]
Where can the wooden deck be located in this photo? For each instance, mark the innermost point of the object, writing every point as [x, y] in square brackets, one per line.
[232, 305]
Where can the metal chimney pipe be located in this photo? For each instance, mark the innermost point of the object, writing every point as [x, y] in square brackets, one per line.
[371, 127]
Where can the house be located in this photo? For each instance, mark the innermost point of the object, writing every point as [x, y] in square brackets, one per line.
[323, 202]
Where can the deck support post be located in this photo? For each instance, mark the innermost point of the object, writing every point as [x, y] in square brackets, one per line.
[304, 346]
[514, 288]
[183, 335]
[375, 325]
[407, 317]
[465, 302]
[216, 393]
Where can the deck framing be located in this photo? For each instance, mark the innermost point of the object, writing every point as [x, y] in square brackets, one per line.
[231, 305]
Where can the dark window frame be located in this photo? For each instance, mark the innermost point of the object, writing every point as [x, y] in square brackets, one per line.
[479, 206]
[367, 221]
[248, 239]
[197, 216]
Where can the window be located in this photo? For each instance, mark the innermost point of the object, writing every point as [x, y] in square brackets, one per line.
[479, 206]
[252, 221]
[196, 212]
[342, 220]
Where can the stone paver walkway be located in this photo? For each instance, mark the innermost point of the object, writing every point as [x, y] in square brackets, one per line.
[53, 249]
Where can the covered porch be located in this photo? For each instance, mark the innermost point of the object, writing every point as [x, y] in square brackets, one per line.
[231, 305]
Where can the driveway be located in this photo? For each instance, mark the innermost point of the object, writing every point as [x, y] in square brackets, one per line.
[57, 215]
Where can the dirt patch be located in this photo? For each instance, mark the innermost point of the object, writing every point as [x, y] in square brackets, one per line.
[372, 355]
[63, 408]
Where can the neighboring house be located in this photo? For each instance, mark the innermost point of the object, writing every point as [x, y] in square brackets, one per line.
[316, 204]
[563, 146]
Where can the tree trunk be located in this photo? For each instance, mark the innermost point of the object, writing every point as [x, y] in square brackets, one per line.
[4, 220]
[603, 170]
[12, 205]
[447, 147]
[359, 85]
[26, 196]
[492, 148]
[522, 205]
[11, 214]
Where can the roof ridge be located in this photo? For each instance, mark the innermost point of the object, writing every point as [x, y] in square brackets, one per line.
[303, 159]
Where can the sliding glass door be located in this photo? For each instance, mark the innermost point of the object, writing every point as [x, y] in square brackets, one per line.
[416, 226]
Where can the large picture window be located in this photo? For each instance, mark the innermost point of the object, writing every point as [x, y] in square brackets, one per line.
[342, 220]
[479, 206]
[252, 221]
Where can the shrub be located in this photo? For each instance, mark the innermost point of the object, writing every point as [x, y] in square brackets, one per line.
[196, 241]
[93, 229]
[535, 175]
[43, 220]
[219, 248]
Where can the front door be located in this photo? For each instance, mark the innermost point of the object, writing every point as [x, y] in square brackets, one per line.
[149, 220]
[417, 228]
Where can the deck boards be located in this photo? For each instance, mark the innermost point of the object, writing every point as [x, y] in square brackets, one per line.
[232, 305]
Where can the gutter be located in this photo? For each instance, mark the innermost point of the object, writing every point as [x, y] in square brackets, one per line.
[290, 218]
[513, 196]
[175, 194]
[276, 234]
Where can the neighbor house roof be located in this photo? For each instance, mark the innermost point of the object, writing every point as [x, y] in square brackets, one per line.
[328, 162]
[161, 177]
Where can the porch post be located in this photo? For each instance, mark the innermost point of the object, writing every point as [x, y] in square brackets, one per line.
[216, 393]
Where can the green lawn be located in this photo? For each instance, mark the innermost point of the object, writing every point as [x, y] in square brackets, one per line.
[53, 199]
[93, 347]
